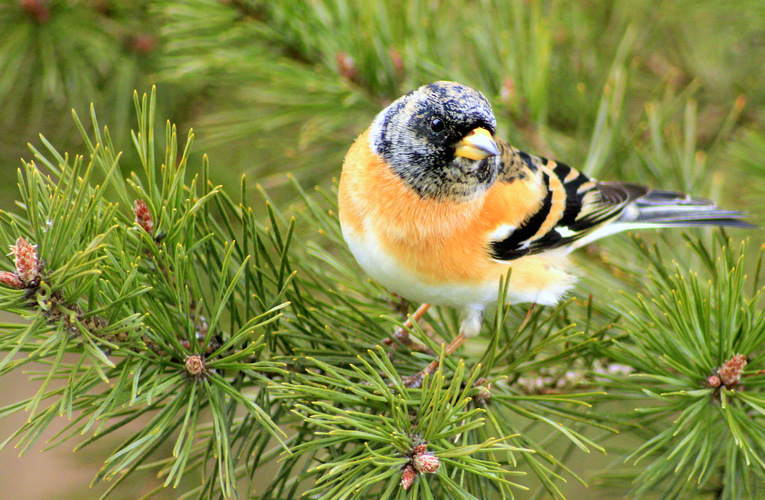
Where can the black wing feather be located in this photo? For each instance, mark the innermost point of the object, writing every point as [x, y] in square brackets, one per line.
[589, 205]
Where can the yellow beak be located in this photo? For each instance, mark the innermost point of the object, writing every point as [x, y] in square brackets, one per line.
[477, 145]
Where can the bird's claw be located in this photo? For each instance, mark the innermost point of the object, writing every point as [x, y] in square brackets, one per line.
[413, 381]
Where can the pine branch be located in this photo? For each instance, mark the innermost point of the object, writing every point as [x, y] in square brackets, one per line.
[696, 350]
[143, 303]
[240, 333]
[189, 304]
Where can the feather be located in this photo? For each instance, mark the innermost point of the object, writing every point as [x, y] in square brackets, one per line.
[671, 209]
[590, 210]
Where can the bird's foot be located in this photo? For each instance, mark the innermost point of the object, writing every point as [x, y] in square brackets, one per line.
[415, 381]
[401, 336]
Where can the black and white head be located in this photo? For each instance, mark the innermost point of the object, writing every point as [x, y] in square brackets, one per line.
[439, 140]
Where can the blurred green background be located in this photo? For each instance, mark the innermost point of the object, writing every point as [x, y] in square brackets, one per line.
[667, 93]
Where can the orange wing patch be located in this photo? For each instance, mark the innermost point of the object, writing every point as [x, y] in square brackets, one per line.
[557, 208]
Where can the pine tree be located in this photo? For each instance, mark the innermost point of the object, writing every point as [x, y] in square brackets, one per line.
[231, 322]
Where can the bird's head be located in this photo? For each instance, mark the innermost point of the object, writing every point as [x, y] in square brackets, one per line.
[439, 139]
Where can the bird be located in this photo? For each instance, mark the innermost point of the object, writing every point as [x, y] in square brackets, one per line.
[437, 208]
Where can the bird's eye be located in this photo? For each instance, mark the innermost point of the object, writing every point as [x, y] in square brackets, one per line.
[437, 125]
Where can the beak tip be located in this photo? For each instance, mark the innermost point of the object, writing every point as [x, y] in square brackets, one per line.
[477, 145]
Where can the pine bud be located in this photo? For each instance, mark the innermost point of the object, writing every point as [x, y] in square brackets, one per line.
[408, 475]
[195, 365]
[714, 381]
[346, 66]
[425, 463]
[143, 216]
[36, 9]
[397, 60]
[143, 44]
[730, 372]
[420, 448]
[11, 280]
[508, 94]
[740, 103]
[26, 260]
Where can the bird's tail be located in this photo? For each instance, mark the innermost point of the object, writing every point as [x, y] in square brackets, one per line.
[654, 208]
[659, 208]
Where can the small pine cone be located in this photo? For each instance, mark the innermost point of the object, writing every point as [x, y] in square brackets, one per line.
[397, 60]
[11, 280]
[426, 463]
[408, 475]
[143, 44]
[37, 10]
[508, 94]
[740, 102]
[730, 372]
[143, 216]
[420, 448]
[714, 381]
[26, 260]
[195, 365]
[346, 66]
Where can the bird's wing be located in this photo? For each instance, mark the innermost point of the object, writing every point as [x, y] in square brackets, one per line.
[572, 206]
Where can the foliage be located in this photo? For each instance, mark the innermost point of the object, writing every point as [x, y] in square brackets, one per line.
[700, 424]
[235, 332]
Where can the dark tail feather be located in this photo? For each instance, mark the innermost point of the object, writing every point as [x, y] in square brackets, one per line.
[671, 208]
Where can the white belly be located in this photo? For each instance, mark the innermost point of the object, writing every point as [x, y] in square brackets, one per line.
[387, 270]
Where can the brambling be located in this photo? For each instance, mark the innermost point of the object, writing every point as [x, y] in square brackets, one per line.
[437, 208]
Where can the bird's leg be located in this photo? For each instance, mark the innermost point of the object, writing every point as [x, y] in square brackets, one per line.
[471, 325]
[401, 335]
[415, 381]
[527, 318]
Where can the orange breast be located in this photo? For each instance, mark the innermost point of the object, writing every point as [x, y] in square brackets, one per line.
[439, 241]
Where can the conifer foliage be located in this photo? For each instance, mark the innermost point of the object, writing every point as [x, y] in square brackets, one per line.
[222, 337]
